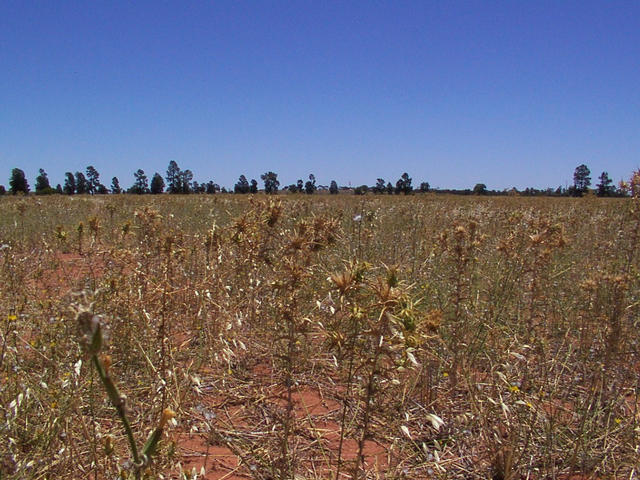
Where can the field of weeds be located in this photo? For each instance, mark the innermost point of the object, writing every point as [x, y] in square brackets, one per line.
[319, 337]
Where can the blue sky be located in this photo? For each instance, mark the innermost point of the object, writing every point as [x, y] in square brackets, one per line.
[509, 93]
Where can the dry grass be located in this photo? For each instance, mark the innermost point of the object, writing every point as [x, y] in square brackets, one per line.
[323, 337]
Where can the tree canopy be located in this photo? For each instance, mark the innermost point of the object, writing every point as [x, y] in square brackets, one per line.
[581, 179]
[271, 182]
[18, 182]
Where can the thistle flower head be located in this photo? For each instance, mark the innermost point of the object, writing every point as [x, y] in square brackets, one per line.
[167, 414]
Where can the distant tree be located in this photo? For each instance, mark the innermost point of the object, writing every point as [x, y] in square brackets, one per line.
[173, 178]
[389, 188]
[299, 186]
[403, 185]
[69, 183]
[42, 183]
[93, 180]
[223, 190]
[2, 190]
[310, 186]
[115, 185]
[18, 182]
[242, 185]
[271, 182]
[605, 187]
[424, 187]
[361, 190]
[333, 188]
[59, 189]
[479, 189]
[141, 184]
[379, 186]
[581, 180]
[253, 188]
[212, 188]
[81, 184]
[186, 177]
[157, 184]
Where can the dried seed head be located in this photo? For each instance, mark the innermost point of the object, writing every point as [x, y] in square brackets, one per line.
[459, 231]
[94, 225]
[106, 362]
[343, 281]
[108, 445]
[433, 320]
[167, 414]
[90, 330]
[536, 239]
[589, 285]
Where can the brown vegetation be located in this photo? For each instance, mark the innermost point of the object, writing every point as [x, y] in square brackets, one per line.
[321, 338]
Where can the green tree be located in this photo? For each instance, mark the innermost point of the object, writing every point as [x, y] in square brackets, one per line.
[310, 186]
[186, 177]
[69, 183]
[605, 187]
[403, 185]
[480, 189]
[581, 179]
[173, 178]
[2, 190]
[361, 190]
[82, 185]
[212, 187]
[271, 182]
[253, 188]
[333, 188]
[242, 186]
[157, 184]
[18, 182]
[424, 187]
[93, 180]
[42, 183]
[115, 185]
[379, 187]
[141, 184]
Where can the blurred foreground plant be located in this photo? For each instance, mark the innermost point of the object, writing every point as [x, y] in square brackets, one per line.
[92, 341]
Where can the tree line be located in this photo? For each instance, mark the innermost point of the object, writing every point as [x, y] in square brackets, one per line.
[179, 181]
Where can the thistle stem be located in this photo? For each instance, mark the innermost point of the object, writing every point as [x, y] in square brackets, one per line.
[118, 402]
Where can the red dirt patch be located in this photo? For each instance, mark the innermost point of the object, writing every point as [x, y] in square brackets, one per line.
[317, 433]
[219, 462]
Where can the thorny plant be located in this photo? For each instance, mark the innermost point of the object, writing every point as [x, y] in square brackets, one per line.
[92, 338]
[507, 347]
[376, 333]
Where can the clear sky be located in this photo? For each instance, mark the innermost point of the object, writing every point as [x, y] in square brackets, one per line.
[513, 93]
